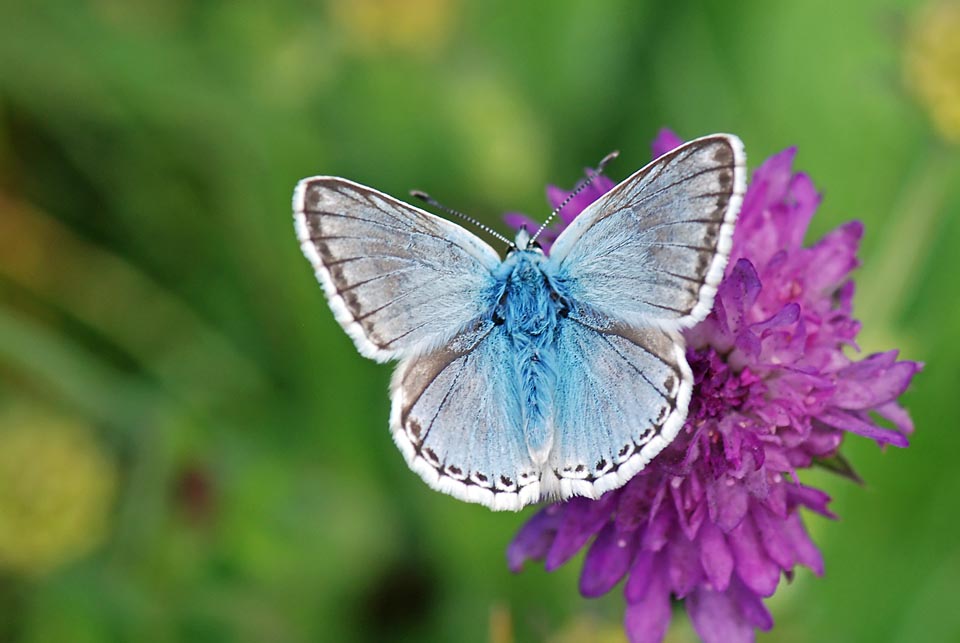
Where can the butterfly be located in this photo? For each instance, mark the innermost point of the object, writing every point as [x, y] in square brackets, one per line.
[536, 376]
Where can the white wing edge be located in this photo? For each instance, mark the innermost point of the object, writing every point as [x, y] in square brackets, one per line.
[491, 498]
[724, 244]
[719, 264]
[473, 244]
[340, 312]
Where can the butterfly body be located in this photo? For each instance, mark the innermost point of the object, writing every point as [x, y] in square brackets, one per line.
[530, 310]
[535, 376]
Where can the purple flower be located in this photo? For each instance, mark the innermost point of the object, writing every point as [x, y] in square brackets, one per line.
[714, 520]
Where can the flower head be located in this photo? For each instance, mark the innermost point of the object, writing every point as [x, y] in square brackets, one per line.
[714, 519]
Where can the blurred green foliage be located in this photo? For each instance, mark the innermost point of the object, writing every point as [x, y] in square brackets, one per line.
[154, 298]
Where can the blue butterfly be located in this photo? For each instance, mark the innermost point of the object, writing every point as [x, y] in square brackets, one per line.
[537, 376]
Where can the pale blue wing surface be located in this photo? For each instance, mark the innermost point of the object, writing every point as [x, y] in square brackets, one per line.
[652, 250]
[622, 396]
[455, 416]
[400, 281]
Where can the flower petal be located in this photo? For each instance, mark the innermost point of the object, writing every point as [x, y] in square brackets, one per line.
[803, 199]
[641, 576]
[873, 381]
[799, 495]
[582, 518]
[736, 294]
[534, 538]
[757, 571]
[852, 422]
[728, 502]
[775, 541]
[770, 182]
[665, 141]
[897, 414]
[835, 255]
[751, 606]
[556, 196]
[607, 561]
[658, 532]
[517, 221]
[806, 552]
[716, 617]
[684, 567]
[715, 556]
[648, 618]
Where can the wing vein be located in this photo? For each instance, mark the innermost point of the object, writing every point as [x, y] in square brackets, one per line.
[646, 197]
[375, 278]
[412, 330]
[454, 382]
[365, 200]
[340, 215]
[383, 307]
[634, 367]
[599, 386]
[662, 307]
[373, 256]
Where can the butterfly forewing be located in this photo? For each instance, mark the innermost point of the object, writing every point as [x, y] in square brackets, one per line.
[400, 280]
[653, 249]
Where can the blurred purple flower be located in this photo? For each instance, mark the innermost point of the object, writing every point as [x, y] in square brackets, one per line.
[713, 521]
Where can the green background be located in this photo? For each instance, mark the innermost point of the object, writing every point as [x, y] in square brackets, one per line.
[152, 292]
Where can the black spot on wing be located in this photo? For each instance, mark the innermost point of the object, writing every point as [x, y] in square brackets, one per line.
[723, 154]
[725, 178]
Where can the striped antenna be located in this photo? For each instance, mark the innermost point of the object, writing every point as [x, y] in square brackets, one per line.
[577, 190]
[426, 198]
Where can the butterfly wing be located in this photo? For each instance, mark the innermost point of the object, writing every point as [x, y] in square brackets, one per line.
[639, 264]
[653, 250]
[399, 280]
[622, 396]
[455, 416]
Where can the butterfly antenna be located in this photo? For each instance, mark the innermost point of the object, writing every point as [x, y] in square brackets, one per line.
[583, 185]
[426, 198]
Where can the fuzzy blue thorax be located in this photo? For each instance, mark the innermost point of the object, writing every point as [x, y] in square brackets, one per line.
[530, 309]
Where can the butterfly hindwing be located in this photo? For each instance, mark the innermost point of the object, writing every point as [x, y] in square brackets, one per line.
[622, 396]
[400, 280]
[653, 249]
[455, 415]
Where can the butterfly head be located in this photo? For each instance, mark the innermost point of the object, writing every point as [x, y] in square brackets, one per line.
[524, 242]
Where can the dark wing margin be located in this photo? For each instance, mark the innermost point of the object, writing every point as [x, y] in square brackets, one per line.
[399, 280]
